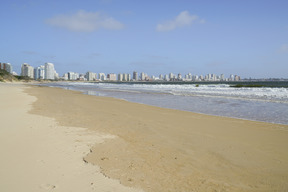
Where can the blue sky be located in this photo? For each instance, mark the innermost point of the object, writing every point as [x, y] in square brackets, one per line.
[244, 37]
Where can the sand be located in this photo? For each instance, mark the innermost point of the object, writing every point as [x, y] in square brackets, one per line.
[39, 155]
[152, 148]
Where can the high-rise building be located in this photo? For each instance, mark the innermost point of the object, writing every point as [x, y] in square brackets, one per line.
[179, 77]
[112, 77]
[73, 76]
[120, 77]
[135, 76]
[143, 76]
[39, 72]
[102, 77]
[49, 71]
[231, 78]
[166, 77]
[91, 76]
[7, 67]
[128, 77]
[237, 78]
[222, 78]
[125, 77]
[27, 70]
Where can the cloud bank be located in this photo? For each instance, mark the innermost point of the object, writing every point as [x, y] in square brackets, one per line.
[183, 19]
[83, 21]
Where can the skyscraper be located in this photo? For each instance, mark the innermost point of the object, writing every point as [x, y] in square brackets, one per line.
[49, 71]
[39, 72]
[135, 76]
[27, 70]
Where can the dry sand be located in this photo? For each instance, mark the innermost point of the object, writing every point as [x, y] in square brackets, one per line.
[147, 147]
[170, 150]
[39, 155]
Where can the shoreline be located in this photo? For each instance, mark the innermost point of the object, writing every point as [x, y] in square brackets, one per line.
[223, 106]
[159, 149]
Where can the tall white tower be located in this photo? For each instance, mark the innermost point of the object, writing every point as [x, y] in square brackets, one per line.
[49, 71]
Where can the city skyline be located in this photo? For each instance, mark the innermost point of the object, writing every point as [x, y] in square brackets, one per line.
[229, 37]
[48, 72]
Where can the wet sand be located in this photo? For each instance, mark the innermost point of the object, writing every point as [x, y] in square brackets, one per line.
[160, 149]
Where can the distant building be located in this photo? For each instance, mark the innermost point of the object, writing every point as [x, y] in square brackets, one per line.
[102, 77]
[222, 78]
[128, 77]
[73, 76]
[39, 72]
[171, 76]
[49, 71]
[120, 77]
[135, 76]
[179, 76]
[125, 77]
[91, 76]
[65, 77]
[237, 78]
[166, 77]
[143, 76]
[7, 67]
[27, 70]
[112, 77]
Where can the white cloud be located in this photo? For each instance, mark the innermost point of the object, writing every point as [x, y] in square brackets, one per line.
[83, 21]
[183, 19]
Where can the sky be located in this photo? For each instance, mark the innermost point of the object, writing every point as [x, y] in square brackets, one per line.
[241, 37]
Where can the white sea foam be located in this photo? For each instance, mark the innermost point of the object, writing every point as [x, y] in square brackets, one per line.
[261, 104]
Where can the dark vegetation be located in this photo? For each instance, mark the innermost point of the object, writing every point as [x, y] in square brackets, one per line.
[251, 85]
[5, 76]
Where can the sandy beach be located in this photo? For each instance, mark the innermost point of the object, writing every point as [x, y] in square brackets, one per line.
[37, 154]
[61, 140]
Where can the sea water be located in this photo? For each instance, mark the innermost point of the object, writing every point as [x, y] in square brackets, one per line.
[267, 104]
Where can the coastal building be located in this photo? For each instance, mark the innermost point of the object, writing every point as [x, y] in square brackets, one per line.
[179, 76]
[65, 77]
[39, 72]
[72, 76]
[102, 77]
[120, 77]
[7, 67]
[82, 77]
[231, 78]
[222, 78]
[90, 76]
[27, 70]
[142, 76]
[135, 76]
[112, 77]
[125, 77]
[128, 77]
[49, 71]
[171, 76]
[237, 78]
[166, 77]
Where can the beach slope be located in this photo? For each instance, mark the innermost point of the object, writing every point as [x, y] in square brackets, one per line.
[160, 149]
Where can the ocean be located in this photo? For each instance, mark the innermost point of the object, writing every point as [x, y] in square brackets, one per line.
[268, 103]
